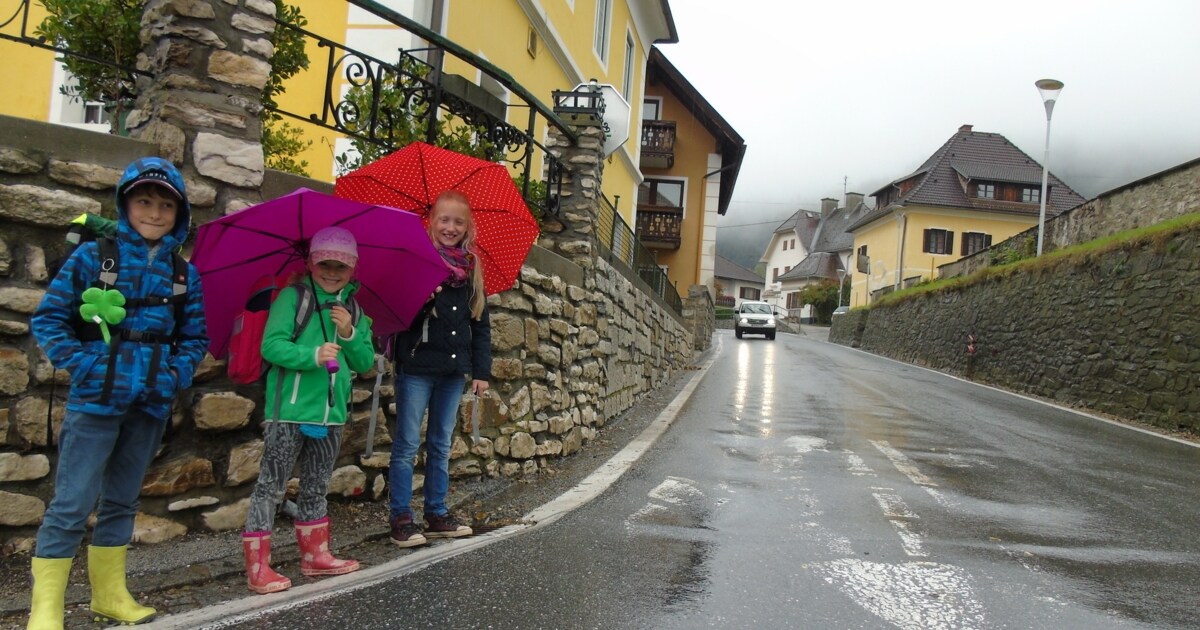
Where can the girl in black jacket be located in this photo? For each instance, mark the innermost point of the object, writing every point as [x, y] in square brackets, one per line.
[449, 343]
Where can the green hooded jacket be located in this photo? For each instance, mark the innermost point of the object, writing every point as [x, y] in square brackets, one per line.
[302, 394]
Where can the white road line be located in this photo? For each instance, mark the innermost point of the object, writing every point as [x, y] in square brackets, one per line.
[903, 463]
[910, 596]
[898, 514]
[856, 465]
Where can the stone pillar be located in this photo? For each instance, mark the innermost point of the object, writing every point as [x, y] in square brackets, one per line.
[700, 313]
[579, 207]
[210, 62]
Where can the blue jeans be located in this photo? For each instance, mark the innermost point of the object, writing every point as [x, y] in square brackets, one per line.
[100, 458]
[414, 394]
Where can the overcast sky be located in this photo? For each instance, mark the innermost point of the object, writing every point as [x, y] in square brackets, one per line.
[867, 90]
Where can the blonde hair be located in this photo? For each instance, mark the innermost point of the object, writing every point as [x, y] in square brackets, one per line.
[477, 298]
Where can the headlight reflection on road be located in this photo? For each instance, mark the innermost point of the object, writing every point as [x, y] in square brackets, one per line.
[768, 388]
[742, 383]
[748, 375]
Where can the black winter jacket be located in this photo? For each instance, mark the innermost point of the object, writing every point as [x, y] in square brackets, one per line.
[444, 340]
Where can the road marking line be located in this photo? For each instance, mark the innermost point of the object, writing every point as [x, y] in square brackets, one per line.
[903, 463]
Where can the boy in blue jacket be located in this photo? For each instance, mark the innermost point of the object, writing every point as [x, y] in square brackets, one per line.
[126, 318]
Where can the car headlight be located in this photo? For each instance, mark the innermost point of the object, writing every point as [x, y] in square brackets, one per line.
[743, 321]
[770, 321]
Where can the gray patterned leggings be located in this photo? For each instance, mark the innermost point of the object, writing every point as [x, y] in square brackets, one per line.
[284, 445]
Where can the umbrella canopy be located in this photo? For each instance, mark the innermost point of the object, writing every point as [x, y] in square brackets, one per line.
[398, 266]
[413, 177]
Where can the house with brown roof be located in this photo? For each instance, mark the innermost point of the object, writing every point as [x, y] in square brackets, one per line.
[829, 252]
[788, 246]
[689, 160]
[977, 188]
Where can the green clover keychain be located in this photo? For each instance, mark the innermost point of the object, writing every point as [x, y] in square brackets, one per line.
[104, 307]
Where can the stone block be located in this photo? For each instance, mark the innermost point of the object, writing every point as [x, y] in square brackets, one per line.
[244, 462]
[20, 509]
[17, 467]
[152, 530]
[227, 517]
[178, 476]
[223, 411]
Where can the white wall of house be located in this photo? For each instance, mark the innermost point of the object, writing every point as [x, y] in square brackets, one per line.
[784, 251]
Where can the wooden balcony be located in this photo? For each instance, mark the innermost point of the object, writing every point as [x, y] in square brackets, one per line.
[658, 144]
[658, 228]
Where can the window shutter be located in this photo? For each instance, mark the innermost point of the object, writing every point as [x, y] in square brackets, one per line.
[925, 242]
[987, 240]
[949, 242]
[963, 246]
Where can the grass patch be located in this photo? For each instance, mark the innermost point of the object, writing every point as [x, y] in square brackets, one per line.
[1155, 236]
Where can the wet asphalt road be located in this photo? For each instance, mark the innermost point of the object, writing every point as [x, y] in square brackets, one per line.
[807, 485]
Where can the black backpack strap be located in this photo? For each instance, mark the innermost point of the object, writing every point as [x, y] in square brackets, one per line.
[110, 263]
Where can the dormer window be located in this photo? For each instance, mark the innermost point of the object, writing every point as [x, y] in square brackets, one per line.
[985, 191]
[1031, 195]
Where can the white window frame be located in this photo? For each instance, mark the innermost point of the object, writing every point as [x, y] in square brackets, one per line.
[603, 30]
[630, 51]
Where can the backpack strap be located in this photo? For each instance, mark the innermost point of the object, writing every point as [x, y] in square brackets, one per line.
[109, 262]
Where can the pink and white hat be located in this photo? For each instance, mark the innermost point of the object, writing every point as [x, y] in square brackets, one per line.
[334, 243]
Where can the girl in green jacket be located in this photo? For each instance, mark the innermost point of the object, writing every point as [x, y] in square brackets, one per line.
[308, 386]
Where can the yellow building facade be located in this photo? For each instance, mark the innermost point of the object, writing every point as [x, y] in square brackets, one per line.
[685, 189]
[977, 189]
[544, 45]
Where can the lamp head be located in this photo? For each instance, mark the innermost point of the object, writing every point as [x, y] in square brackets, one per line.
[1049, 89]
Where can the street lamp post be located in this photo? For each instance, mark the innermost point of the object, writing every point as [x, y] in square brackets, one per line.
[1049, 89]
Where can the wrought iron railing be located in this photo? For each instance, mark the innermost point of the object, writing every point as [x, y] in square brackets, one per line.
[417, 78]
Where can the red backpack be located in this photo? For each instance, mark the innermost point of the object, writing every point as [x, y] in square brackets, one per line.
[246, 364]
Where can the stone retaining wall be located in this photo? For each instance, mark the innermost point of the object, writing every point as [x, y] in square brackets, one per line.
[1114, 331]
[576, 343]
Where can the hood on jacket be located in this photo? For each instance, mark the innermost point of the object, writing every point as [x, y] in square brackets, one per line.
[154, 169]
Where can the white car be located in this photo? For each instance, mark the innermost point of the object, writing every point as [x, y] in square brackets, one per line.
[755, 318]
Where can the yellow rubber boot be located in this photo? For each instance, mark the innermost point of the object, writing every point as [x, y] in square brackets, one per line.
[49, 591]
[111, 601]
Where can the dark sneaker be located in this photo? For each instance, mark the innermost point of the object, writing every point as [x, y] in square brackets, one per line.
[444, 527]
[406, 533]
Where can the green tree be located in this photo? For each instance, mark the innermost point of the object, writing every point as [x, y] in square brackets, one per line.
[99, 29]
[823, 297]
[109, 30]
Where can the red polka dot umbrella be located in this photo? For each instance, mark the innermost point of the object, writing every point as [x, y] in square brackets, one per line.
[413, 177]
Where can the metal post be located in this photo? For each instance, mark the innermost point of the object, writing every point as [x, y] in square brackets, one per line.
[1049, 89]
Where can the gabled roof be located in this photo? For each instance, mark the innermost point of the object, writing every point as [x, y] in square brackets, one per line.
[818, 265]
[730, 145]
[974, 155]
[725, 268]
[831, 234]
[803, 223]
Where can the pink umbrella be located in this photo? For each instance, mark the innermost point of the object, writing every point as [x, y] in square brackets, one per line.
[398, 266]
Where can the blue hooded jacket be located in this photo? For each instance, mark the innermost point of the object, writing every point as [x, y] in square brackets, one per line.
[143, 272]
